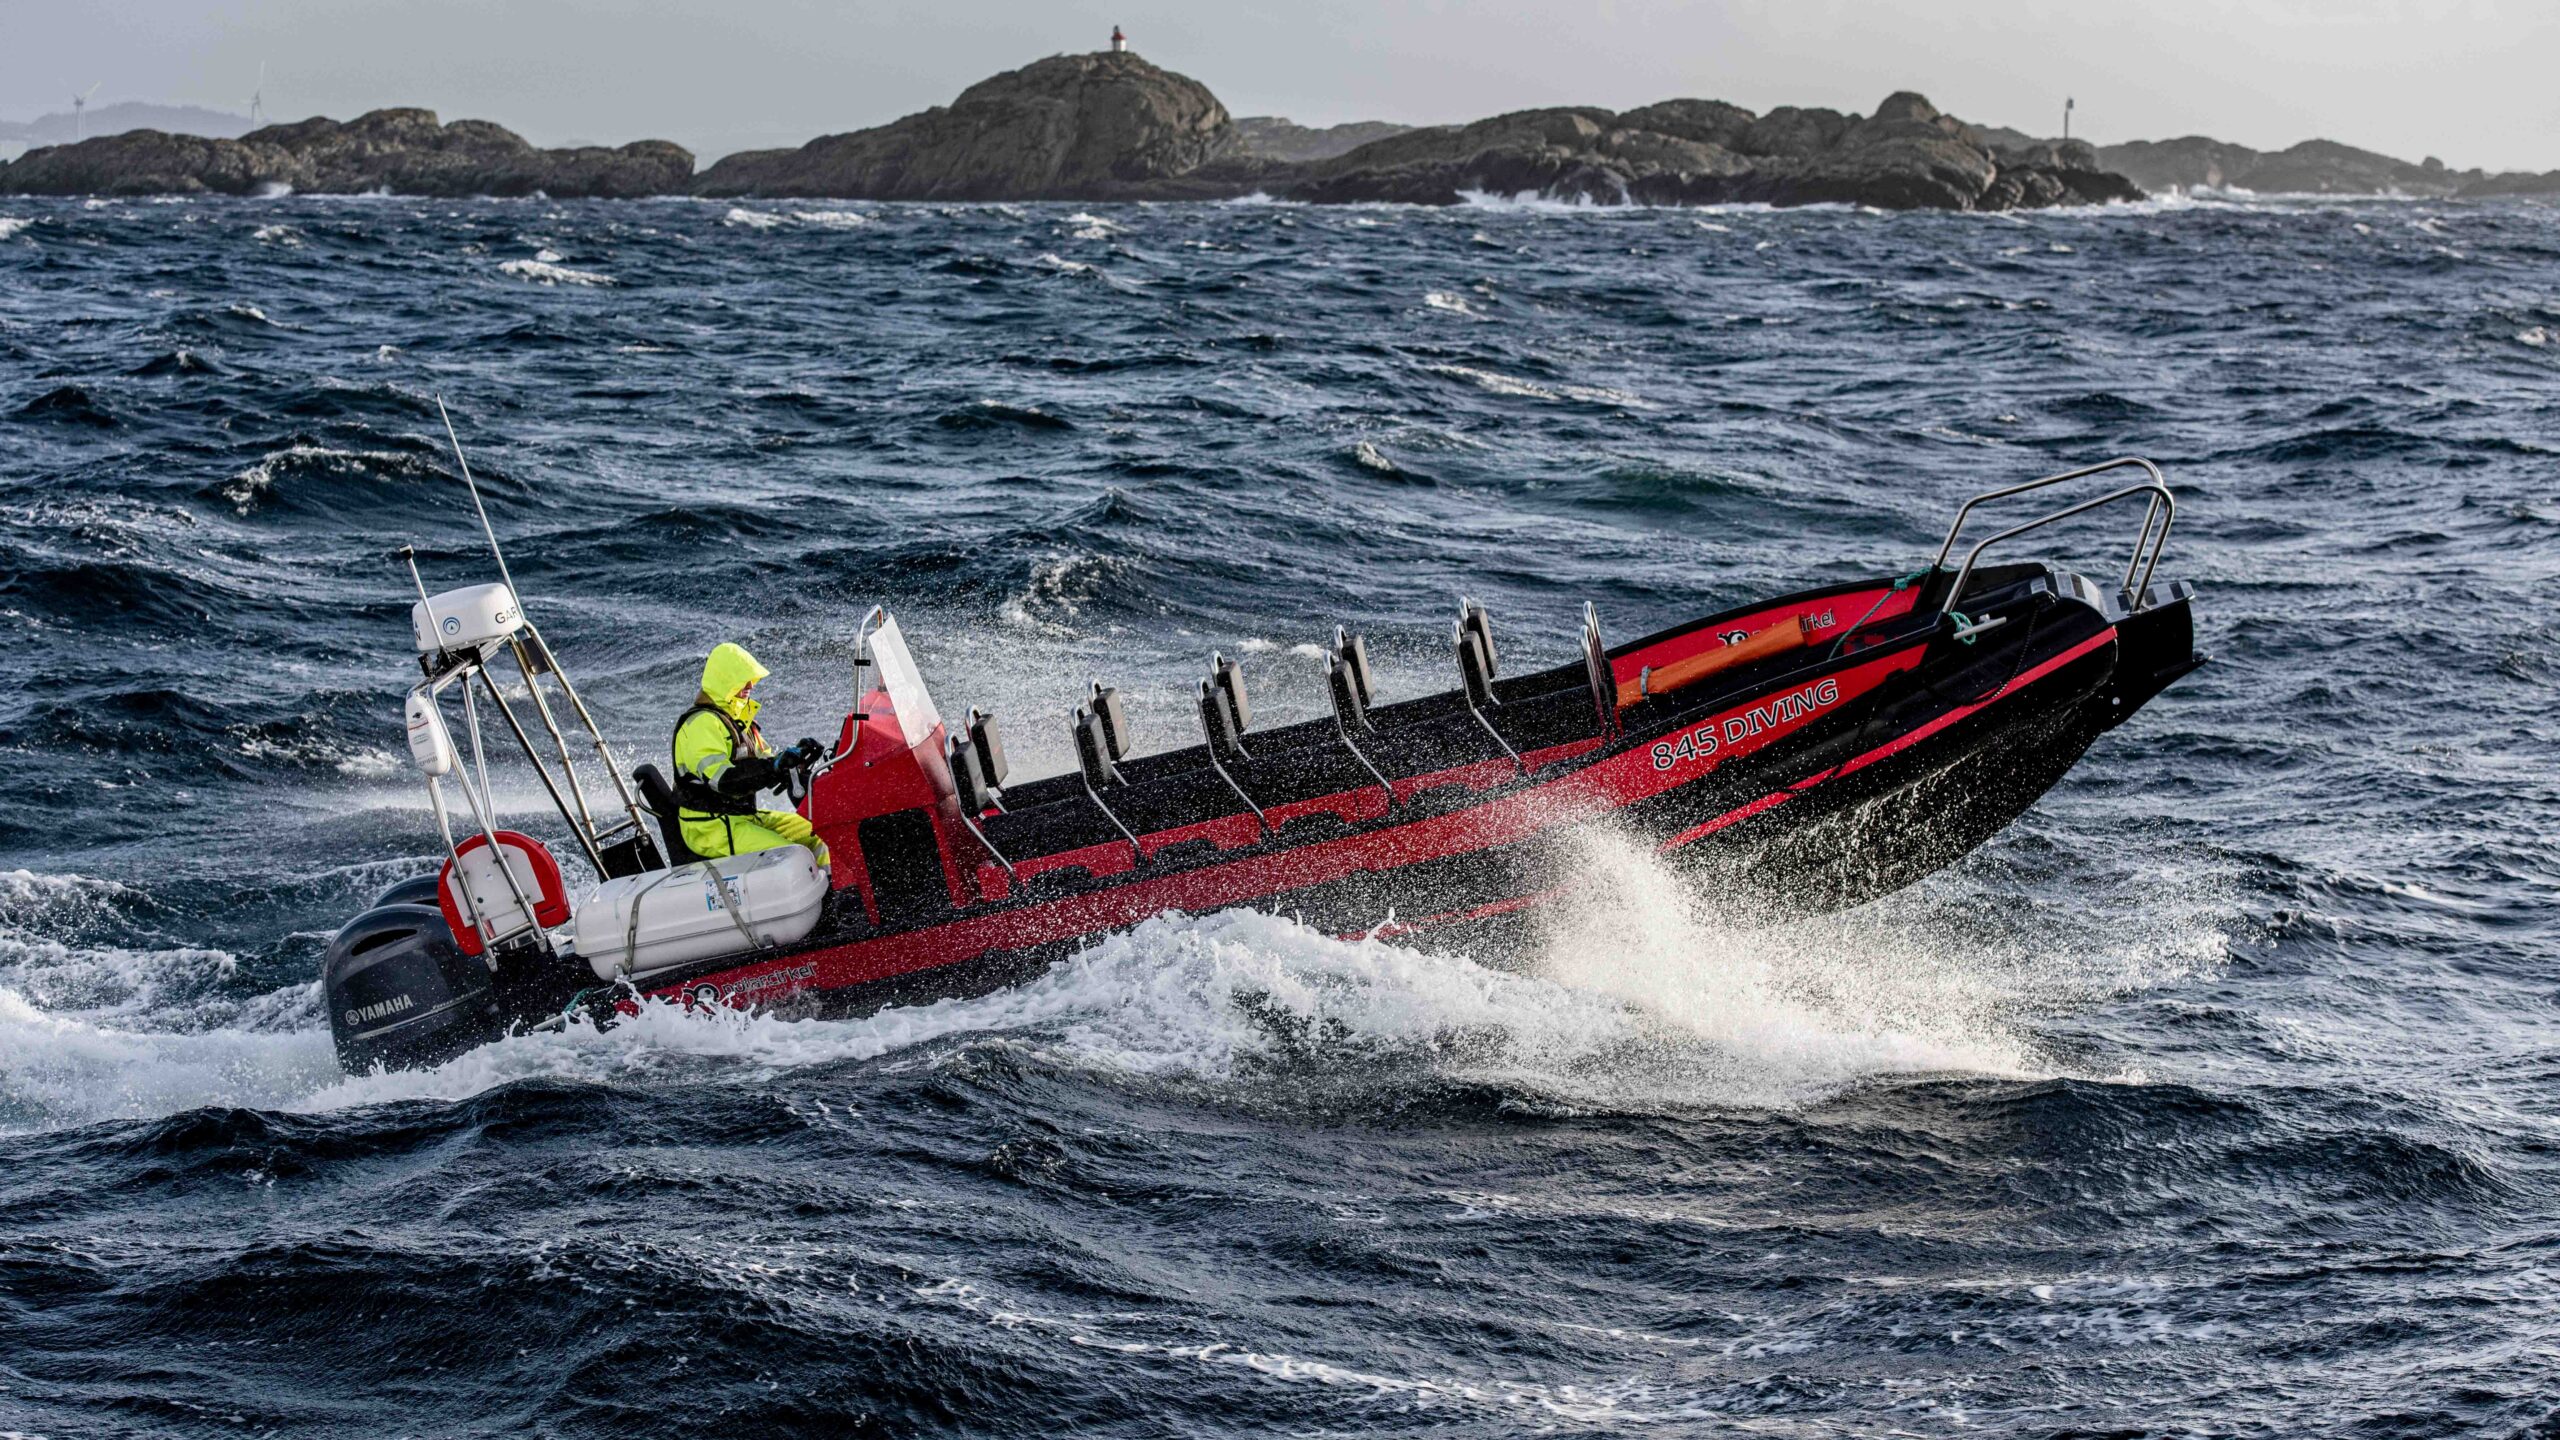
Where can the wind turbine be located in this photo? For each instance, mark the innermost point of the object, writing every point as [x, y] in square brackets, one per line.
[80, 106]
[258, 99]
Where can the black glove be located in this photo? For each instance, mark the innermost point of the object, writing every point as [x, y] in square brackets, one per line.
[748, 777]
[809, 752]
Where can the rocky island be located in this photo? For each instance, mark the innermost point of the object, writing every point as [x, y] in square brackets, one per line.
[1072, 127]
[1906, 156]
[1113, 126]
[404, 152]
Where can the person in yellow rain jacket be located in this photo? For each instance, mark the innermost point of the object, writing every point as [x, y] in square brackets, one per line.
[723, 764]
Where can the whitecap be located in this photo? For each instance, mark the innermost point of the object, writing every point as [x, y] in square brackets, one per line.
[12, 224]
[543, 272]
[247, 487]
[1531, 200]
[1081, 270]
[753, 219]
[1452, 304]
[1495, 383]
[1637, 994]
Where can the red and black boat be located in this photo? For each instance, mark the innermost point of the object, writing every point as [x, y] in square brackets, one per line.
[1808, 752]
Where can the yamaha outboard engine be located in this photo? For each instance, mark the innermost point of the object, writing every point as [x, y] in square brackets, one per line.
[401, 994]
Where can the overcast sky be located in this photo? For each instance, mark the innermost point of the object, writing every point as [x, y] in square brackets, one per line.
[2474, 81]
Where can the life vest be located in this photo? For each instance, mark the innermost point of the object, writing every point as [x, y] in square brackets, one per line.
[700, 796]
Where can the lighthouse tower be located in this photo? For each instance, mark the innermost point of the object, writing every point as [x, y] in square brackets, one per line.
[1119, 42]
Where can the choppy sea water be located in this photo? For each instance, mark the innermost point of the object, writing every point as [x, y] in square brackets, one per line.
[2215, 1096]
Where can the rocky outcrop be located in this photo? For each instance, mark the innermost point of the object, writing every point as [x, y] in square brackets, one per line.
[2488, 187]
[406, 152]
[2314, 167]
[1906, 156]
[1072, 127]
[1271, 137]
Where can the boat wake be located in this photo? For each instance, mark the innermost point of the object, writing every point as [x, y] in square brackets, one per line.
[1634, 997]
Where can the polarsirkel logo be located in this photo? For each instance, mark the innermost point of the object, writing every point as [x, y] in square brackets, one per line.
[380, 1008]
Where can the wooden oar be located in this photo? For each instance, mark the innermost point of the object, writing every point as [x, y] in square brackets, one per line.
[1776, 640]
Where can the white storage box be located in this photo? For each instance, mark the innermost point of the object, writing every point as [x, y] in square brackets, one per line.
[643, 923]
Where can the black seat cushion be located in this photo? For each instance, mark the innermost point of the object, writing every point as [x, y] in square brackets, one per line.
[660, 797]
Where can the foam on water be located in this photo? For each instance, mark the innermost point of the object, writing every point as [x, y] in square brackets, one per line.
[1533, 202]
[1496, 383]
[57, 1071]
[543, 272]
[1638, 997]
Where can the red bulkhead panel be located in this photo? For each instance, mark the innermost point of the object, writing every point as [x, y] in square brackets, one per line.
[883, 776]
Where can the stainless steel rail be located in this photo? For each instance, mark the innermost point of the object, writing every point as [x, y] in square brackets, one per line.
[2147, 545]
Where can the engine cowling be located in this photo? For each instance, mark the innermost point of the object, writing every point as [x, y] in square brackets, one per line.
[402, 995]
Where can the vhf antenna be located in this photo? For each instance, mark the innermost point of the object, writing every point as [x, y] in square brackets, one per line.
[474, 487]
[408, 555]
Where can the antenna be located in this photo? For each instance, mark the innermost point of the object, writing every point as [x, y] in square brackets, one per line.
[408, 554]
[483, 510]
[80, 107]
[258, 99]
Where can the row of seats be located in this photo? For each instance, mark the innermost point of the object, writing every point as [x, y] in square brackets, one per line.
[1236, 770]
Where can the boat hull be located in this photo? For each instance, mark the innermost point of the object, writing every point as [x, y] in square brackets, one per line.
[1818, 787]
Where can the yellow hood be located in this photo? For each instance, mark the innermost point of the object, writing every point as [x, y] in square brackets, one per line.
[730, 670]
